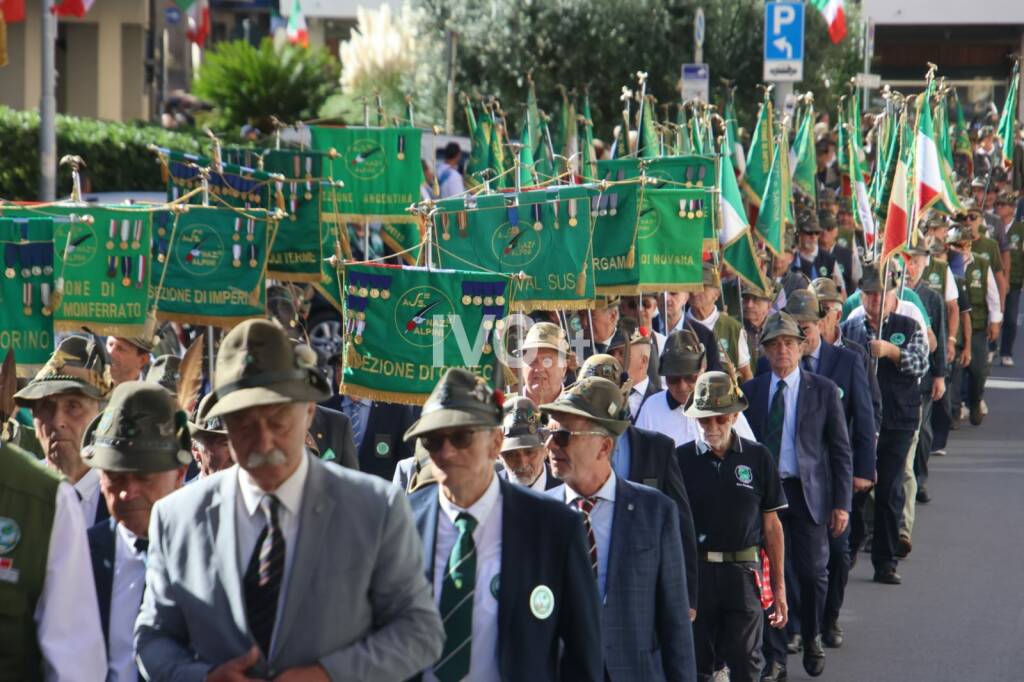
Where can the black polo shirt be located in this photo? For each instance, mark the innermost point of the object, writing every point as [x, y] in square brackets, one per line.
[729, 495]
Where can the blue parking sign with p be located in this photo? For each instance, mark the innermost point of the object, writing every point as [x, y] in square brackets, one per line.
[783, 41]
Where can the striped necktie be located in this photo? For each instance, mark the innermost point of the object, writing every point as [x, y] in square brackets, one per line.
[264, 575]
[586, 505]
[457, 590]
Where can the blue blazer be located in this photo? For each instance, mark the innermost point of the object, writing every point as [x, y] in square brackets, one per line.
[542, 543]
[646, 632]
[103, 550]
[822, 440]
[846, 369]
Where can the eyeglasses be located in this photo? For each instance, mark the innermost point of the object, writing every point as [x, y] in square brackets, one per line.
[562, 437]
[691, 379]
[460, 440]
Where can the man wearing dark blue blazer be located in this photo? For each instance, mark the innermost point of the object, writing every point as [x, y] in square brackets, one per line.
[509, 566]
[847, 370]
[633, 536]
[799, 417]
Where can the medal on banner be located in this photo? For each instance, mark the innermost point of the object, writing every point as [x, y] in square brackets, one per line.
[140, 275]
[573, 220]
[44, 298]
[401, 148]
[126, 271]
[137, 235]
[26, 298]
[699, 205]
[111, 266]
[112, 230]
[538, 220]
[10, 260]
[237, 234]
[126, 229]
[309, 178]
[236, 255]
[252, 256]
[490, 297]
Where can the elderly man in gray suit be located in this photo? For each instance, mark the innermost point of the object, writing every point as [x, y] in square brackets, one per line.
[240, 579]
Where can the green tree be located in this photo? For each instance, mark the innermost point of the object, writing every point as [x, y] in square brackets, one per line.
[601, 44]
[248, 84]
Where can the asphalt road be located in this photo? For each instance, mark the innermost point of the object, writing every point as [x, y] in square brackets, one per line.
[959, 614]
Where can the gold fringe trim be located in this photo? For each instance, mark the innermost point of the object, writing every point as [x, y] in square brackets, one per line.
[101, 328]
[525, 306]
[366, 393]
[224, 322]
[618, 290]
[361, 218]
[293, 276]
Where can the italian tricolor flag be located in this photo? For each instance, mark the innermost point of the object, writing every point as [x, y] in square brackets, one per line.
[198, 19]
[898, 214]
[832, 10]
[734, 231]
[297, 32]
[927, 175]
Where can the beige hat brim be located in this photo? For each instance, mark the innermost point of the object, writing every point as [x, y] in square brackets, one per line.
[692, 410]
[275, 394]
[448, 419]
[538, 345]
[527, 442]
[614, 426]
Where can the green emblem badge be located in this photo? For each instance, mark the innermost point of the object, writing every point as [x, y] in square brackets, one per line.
[10, 534]
[328, 455]
[823, 271]
[542, 602]
[744, 474]
[495, 584]
[383, 449]
[897, 339]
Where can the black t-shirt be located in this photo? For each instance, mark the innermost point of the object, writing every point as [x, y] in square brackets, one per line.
[729, 495]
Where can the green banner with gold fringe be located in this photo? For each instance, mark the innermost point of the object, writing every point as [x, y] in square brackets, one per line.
[616, 213]
[380, 170]
[405, 326]
[101, 262]
[211, 268]
[298, 247]
[26, 318]
[544, 235]
[670, 238]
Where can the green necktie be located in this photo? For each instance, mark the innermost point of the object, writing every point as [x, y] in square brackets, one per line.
[457, 604]
[776, 418]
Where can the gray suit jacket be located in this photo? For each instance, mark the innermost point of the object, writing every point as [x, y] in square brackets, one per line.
[379, 623]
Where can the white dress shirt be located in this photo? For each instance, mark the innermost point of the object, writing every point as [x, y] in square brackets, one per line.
[952, 293]
[636, 395]
[788, 465]
[88, 489]
[483, 662]
[67, 614]
[657, 415]
[601, 517]
[541, 483]
[250, 521]
[125, 600]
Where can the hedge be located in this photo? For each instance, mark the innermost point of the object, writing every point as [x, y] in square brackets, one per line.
[115, 154]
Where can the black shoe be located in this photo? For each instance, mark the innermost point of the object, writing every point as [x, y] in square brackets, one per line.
[833, 637]
[905, 548]
[814, 657]
[954, 422]
[776, 672]
[795, 645]
[976, 415]
[888, 577]
[922, 496]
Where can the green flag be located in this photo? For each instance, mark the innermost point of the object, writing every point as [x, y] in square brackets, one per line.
[497, 145]
[1007, 128]
[479, 166]
[588, 164]
[206, 270]
[771, 218]
[647, 141]
[760, 154]
[670, 238]
[404, 327]
[962, 140]
[26, 304]
[805, 164]
[380, 169]
[527, 174]
[543, 234]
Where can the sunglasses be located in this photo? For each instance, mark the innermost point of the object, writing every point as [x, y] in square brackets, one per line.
[460, 440]
[562, 437]
[691, 379]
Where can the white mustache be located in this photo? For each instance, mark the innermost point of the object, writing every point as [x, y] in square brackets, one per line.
[274, 457]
